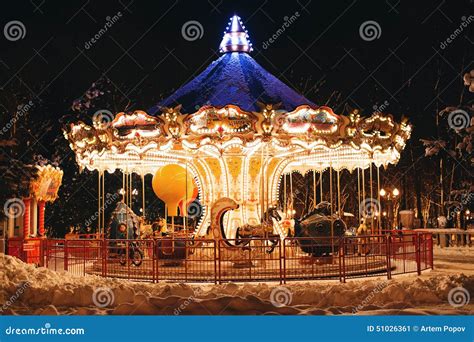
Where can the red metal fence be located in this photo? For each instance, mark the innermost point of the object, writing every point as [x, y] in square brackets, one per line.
[201, 260]
[30, 250]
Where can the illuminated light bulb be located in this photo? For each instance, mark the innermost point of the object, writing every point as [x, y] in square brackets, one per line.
[382, 192]
[395, 192]
[235, 37]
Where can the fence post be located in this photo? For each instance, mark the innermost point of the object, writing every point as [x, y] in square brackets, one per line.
[104, 257]
[417, 253]
[431, 250]
[66, 252]
[154, 249]
[284, 260]
[157, 259]
[344, 259]
[185, 260]
[340, 259]
[250, 259]
[219, 258]
[215, 260]
[279, 260]
[84, 255]
[127, 257]
[388, 252]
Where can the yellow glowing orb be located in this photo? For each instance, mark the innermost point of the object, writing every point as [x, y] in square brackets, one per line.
[171, 183]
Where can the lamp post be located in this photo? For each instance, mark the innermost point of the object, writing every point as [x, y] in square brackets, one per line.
[391, 196]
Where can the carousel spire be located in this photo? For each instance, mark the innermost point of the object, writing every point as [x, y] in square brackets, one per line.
[235, 37]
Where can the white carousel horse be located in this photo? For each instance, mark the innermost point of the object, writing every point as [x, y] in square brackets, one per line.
[232, 252]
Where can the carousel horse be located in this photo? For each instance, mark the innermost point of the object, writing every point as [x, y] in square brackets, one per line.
[314, 230]
[260, 231]
[231, 251]
[237, 252]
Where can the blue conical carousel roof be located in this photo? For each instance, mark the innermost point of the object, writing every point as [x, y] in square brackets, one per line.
[235, 78]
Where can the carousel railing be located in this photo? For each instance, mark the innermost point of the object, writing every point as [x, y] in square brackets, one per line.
[364, 256]
[249, 259]
[74, 236]
[312, 258]
[181, 259]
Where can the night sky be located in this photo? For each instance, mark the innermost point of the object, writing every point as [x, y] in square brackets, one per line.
[146, 57]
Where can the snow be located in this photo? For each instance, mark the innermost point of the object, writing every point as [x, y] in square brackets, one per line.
[47, 292]
[235, 78]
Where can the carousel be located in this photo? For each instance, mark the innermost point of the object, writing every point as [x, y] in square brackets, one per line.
[230, 137]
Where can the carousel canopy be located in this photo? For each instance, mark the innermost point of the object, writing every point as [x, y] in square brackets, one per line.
[235, 107]
[235, 78]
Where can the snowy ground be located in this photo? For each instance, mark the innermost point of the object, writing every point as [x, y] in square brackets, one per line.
[25, 289]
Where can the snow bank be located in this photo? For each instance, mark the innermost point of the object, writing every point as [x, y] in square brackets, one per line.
[26, 289]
